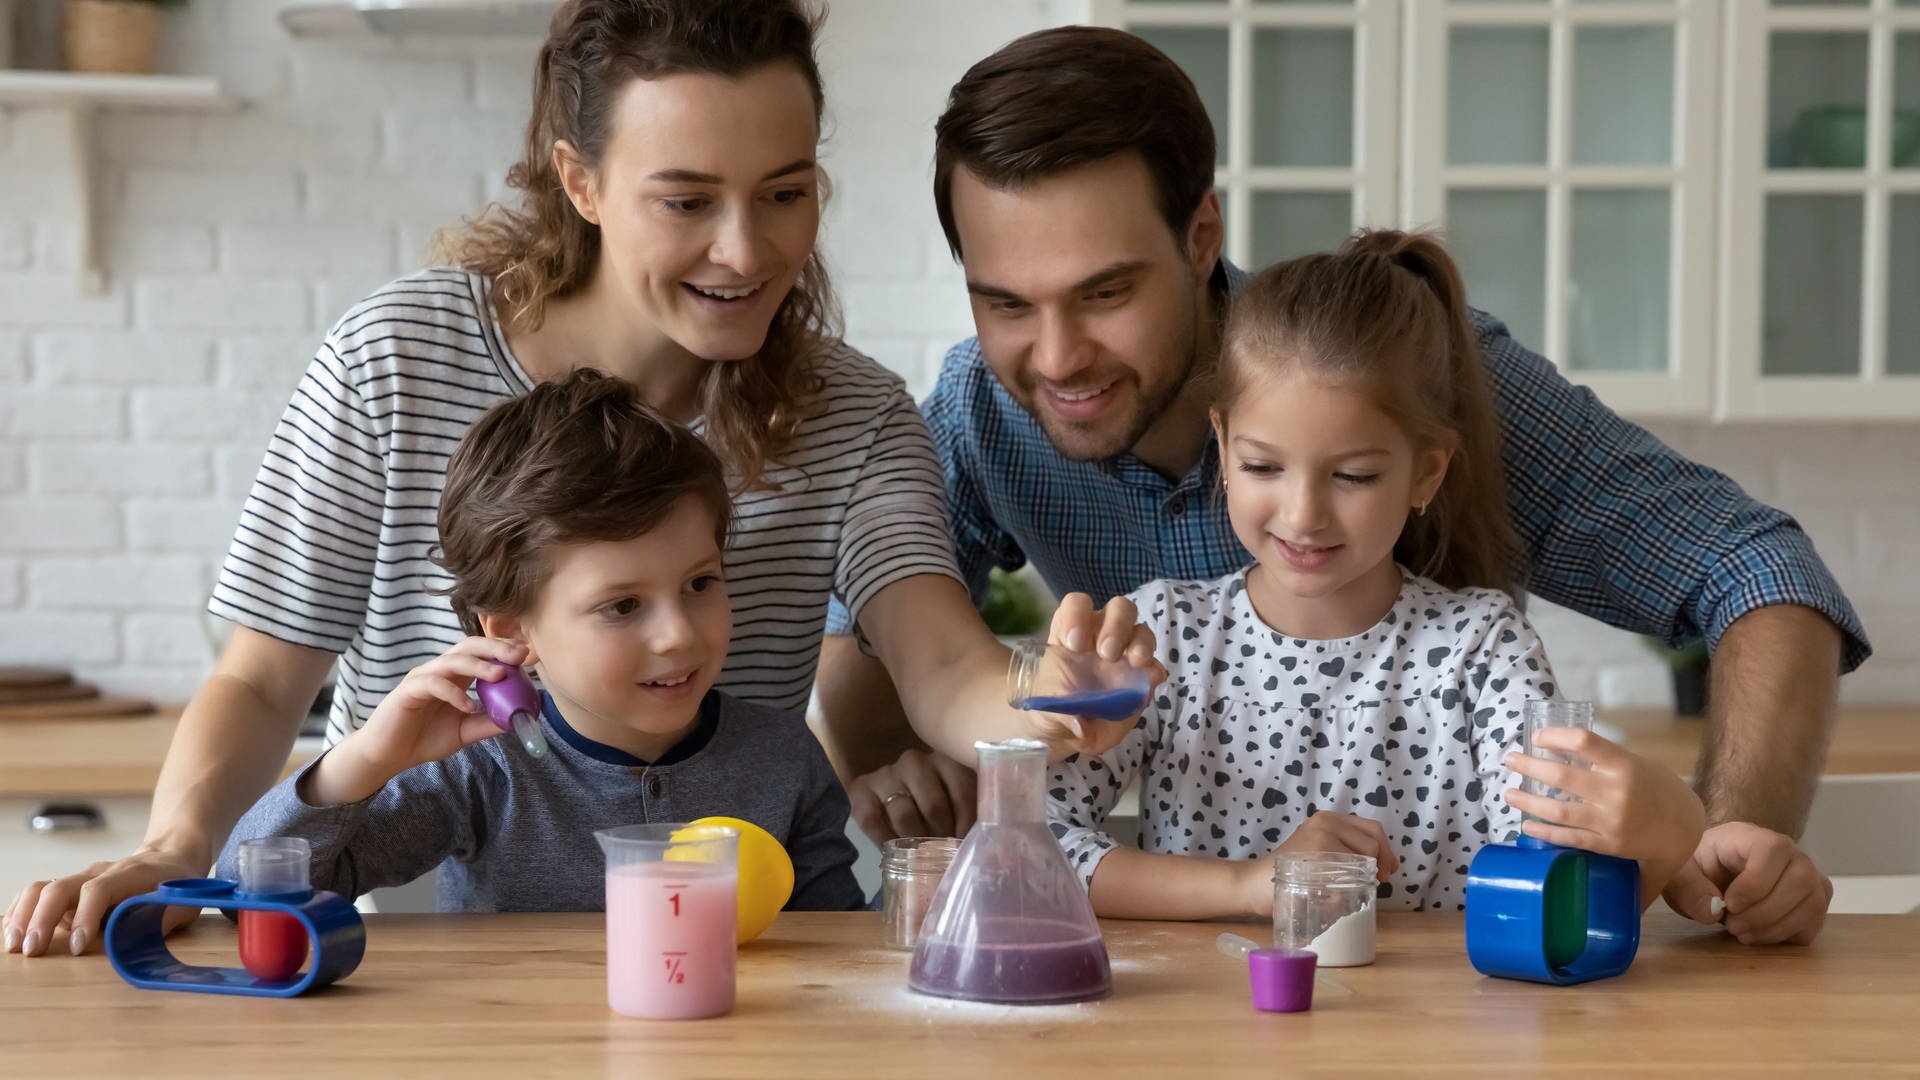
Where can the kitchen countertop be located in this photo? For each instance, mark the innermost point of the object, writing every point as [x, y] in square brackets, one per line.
[117, 756]
[122, 756]
[525, 995]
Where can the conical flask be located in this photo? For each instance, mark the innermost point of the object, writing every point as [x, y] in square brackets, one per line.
[1011, 923]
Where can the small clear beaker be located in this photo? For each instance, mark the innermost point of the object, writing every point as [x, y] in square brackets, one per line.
[1323, 901]
[1053, 678]
[911, 868]
[1541, 714]
[672, 894]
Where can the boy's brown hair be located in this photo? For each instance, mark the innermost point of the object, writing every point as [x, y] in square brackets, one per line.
[582, 458]
[1058, 99]
[1387, 315]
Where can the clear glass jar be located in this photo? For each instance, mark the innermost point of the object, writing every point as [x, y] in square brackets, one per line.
[1053, 678]
[910, 871]
[1323, 901]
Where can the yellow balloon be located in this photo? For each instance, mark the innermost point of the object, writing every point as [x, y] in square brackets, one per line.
[766, 874]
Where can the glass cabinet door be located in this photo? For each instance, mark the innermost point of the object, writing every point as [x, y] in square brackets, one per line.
[1822, 230]
[1303, 99]
[1566, 150]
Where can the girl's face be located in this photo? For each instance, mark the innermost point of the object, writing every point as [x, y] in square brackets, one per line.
[707, 198]
[1319, 484]
[629, 635]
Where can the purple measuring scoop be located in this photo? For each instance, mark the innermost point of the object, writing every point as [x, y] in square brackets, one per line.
[514, 705]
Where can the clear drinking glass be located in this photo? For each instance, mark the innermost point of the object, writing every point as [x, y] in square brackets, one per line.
[1323, 901]
[1551, 714]
[672, 891]
[1011, 923]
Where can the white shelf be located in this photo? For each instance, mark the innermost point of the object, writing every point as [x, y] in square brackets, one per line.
[80, 97]
[116, 91]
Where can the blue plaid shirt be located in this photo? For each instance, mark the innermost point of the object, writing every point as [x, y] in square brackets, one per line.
[1617, 525]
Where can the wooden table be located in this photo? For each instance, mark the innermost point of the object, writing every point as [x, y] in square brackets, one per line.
[524, 995]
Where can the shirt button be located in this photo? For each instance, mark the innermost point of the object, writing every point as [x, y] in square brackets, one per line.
[656, 787]
[1176, 507]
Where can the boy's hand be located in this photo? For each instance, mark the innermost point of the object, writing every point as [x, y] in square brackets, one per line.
[1324, 831]
[1770, 889]
[1629, 806]
[425, 718]
[1111, 632]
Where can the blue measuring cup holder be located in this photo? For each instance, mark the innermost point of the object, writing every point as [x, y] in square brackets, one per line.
[137, 948]
[1549, 914]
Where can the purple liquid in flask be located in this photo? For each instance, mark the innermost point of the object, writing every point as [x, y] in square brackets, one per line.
[1011, 924]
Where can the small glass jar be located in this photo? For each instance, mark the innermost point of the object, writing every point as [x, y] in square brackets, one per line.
[1053, 678]
[1323, 901]
[911, 868]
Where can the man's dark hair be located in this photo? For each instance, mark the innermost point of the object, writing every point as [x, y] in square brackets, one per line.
[1058, 99]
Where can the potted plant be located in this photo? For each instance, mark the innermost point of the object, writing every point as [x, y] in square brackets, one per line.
[1012, 609]
[118, 37]
[1689, 664]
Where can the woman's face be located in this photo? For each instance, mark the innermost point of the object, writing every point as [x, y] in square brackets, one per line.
[707, 198]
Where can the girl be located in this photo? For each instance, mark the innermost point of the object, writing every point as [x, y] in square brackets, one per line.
[665, 234]
[1359, 686]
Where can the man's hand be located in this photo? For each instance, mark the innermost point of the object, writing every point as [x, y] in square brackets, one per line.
[1769, 889]
[920, 794]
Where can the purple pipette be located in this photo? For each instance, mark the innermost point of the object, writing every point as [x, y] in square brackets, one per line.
[514, 705]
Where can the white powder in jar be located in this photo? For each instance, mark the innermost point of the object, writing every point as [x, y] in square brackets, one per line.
[1347, 943]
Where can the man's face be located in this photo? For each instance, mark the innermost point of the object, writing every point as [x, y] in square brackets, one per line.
[1087, 306]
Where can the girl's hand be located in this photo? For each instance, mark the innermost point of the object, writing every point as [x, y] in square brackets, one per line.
[1629, 806]
[426, 718]
[1111, 633]
[1324, 831]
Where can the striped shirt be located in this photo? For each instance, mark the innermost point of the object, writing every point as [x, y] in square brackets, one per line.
[1616, 525]
[332, 547]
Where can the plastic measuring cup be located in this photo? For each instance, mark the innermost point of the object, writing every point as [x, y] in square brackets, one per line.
[672, 894]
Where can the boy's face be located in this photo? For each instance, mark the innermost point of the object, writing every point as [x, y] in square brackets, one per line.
[1087, 307]
[629, 635]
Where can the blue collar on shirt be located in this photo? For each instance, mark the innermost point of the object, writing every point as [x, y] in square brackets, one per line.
[694, 742]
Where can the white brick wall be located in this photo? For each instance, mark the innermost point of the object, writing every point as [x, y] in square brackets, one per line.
[131, 424]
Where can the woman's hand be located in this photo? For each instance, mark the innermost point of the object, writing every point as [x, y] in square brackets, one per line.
[78, 904]
[1112, 633]
[1628, 806]
[920, 794]
[427, 717]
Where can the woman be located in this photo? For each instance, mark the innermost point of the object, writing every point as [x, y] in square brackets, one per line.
[665, 235]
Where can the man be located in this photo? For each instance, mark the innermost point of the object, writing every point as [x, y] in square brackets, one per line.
[1073, 176]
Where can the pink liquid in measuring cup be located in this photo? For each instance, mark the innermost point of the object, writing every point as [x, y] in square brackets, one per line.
[670, 939]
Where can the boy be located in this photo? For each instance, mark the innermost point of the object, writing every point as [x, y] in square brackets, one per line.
[584, 535]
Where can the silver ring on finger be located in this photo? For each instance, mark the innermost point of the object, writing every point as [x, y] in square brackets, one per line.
[888, 800]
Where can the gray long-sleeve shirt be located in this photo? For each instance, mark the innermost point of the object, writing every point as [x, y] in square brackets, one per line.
[517, 834]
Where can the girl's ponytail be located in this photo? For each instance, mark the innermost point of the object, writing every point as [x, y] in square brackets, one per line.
[1388, 312]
